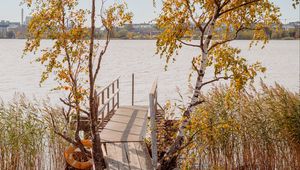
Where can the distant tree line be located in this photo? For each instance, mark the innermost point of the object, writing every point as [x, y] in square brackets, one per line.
[128, 32]
[286, 34]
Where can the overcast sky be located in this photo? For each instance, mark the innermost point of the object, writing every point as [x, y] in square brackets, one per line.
[143, 10]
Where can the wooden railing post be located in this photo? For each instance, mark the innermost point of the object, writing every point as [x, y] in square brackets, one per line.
[113, 92]
[107, 99]
[118, 100]
[132, 89]
[153, 109]
[102, 103]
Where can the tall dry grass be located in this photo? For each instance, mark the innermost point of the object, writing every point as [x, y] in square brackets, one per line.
[26, 139]
[253, 129]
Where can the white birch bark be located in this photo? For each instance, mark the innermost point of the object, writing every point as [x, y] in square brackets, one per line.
[195, 98]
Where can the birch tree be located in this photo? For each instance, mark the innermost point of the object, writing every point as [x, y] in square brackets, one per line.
[217, 22]
[74, 59]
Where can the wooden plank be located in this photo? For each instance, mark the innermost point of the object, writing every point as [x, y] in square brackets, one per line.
[110, 158]
[113, 136]
[129, 110]
[127, 156]
[125, 119]
[133, 158]
[143, 155]
[127, 124]
[121, 156]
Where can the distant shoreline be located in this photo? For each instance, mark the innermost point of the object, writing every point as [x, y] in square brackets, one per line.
[286, 38]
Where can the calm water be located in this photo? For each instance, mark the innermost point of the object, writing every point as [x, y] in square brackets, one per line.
[125, 57]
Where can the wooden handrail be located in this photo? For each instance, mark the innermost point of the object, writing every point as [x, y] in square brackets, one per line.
[106, 95]
[153, 110]
[107, 101]
[107, 86]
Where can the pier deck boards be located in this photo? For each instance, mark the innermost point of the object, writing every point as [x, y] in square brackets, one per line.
[127, 156]
[128, 124]
[122, 139]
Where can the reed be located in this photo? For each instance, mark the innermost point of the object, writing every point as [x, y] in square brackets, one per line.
[27, 141]
[253, 129]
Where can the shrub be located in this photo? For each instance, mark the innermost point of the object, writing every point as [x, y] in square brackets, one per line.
[245, 130]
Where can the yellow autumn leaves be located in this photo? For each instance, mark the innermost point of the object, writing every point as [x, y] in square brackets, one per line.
[254, 128]
[66, 59]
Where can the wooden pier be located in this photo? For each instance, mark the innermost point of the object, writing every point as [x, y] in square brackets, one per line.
[123, 130]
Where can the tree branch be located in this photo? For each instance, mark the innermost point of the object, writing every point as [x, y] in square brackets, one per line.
[214, 80]
[69, 104]
[67, 138]
[241, 28]
[188, 44]
[102, 53]
[192, 16]
[195, 67]
[238, 6]
[227, 40]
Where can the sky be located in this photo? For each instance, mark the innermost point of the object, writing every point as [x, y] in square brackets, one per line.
[143, 10]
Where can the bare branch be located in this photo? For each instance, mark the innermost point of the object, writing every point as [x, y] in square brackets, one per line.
[227, 40]
[102, 53]
[241, 28]
[214, 80]
[69, 104]
[67, 138]
[188, 44]
[106, 42]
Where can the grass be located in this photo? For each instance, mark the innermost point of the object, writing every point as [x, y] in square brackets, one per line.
[253, 129]
[26, 138]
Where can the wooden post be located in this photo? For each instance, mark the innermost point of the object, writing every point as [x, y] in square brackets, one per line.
[102, 101]
[108, 99]
[113, 93]
[118, 100]
[132, 90]
[152, 105]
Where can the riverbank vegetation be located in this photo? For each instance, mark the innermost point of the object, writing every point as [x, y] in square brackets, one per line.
[251, 129]
[227, 128]
[27, 139]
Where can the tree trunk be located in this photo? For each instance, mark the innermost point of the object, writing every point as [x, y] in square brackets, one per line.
[97, 152]
[170, 155]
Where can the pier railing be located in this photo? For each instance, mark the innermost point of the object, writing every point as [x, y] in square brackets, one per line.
[109, 97]
[153, 111]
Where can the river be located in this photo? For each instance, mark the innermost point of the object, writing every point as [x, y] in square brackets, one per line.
[124, 57]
